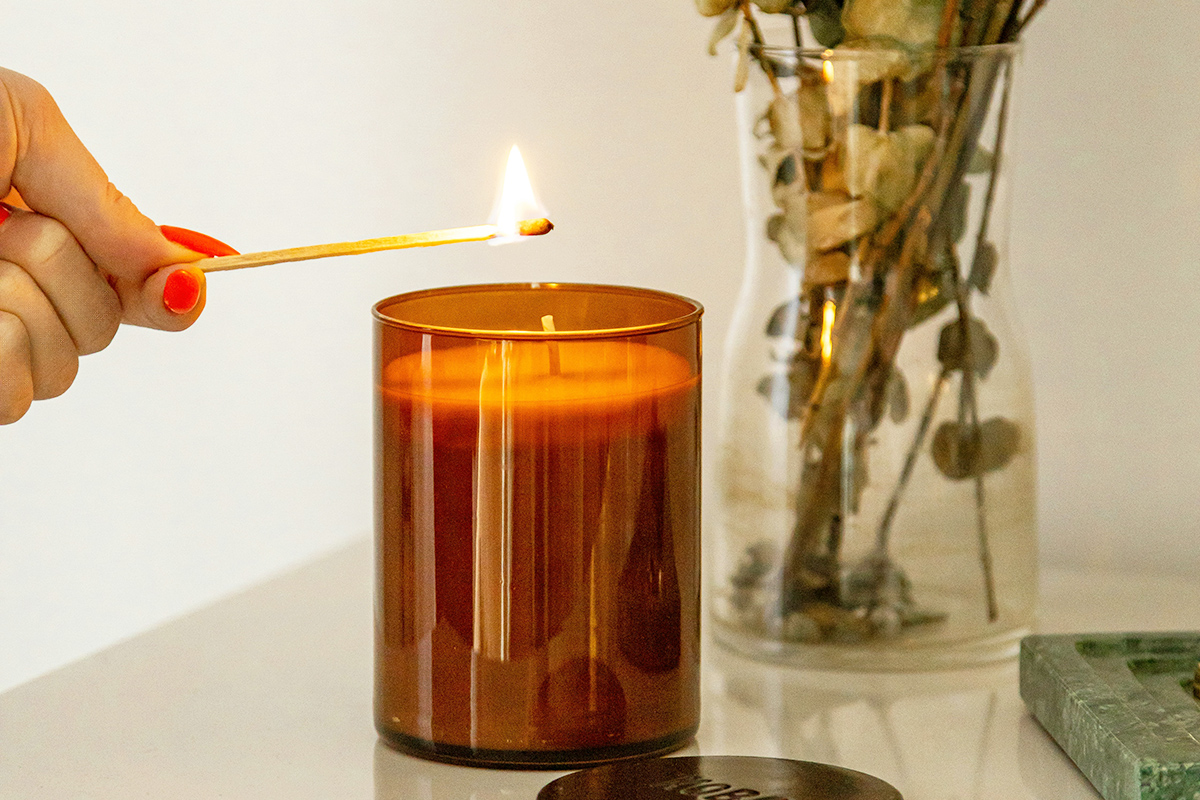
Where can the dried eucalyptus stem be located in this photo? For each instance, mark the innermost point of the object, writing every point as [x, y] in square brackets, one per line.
[910, 461]
[982, 246]
[1025, 20]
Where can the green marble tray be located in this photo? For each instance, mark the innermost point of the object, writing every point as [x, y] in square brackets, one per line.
[1121, 706]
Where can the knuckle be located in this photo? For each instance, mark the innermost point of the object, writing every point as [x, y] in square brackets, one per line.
[30, 90]
[13, 337]
[56, 381]
[12, 408]
[115, 196]
[34, 109]
[16, 382]
[102, 326]
[12, 279]
[101, 337]
[52, 242]
[119, 204]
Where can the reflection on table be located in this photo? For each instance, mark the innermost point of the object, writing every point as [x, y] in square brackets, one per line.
[959, 735]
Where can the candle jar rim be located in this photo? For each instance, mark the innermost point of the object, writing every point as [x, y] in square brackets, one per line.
[687, 311]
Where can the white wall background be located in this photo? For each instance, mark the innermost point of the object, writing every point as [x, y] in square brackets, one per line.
[183, 467]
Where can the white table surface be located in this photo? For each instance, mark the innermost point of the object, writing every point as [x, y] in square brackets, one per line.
[267, 695]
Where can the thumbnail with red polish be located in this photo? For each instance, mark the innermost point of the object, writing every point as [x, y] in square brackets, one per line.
[181, 292]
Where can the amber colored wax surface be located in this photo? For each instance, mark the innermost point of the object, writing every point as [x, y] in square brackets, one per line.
[538, 532]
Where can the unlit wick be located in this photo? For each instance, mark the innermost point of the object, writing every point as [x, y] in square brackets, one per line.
[555, 363]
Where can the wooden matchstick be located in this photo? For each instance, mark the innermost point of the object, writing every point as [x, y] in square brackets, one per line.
[475, 233]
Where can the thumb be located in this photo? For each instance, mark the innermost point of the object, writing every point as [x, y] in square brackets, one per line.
[57, 177]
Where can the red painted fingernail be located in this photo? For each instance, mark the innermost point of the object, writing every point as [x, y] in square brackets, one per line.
[197, 242]
[5, 212]
[181, 292]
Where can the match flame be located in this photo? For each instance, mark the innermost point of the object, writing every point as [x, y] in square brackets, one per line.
[517, 200]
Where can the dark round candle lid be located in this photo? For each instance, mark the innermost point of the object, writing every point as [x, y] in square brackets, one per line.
[718, 778]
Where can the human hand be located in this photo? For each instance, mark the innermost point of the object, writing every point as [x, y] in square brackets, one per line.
[76, 256]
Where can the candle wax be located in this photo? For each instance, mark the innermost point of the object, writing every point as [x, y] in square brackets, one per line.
[539, 569]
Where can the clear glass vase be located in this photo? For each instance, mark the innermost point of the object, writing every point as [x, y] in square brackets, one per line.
[876, 469]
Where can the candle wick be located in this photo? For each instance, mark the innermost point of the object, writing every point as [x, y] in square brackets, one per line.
[548, 327]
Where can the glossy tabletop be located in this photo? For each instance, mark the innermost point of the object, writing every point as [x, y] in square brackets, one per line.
[267, 695]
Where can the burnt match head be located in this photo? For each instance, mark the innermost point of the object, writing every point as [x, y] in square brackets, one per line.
[535, 227]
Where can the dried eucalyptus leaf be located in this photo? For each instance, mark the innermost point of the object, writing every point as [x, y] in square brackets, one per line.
[912, 22]
[932, 297]
[827, 268]
[771, 161]
[916, 143]
[742, 72]
[792, 247]
[723, 28]
[834, 226]
[910, 146]
[983, 267]
[756, 562]
[1000, 443]
[963, 451]
[789, 229]
[885, 166]
[788, 319]
[786, 173]
[984, 347]
[873, 61]
[788, 392]
[954, 451]
[864, 150]
[783, 115]
[983, 161]
[774, 223]
[935, 287]
[814, 119]
[825, 21]
[820, 200]
[897, 396]
[711, 8]
[773, 6]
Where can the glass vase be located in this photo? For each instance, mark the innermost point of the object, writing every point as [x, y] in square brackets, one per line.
[876, 469]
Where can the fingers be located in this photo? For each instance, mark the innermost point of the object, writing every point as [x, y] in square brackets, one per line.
[50, 358]
[57, 177]
[54, 307]
[76, 292]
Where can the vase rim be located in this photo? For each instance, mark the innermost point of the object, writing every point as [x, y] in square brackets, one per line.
[950, 53]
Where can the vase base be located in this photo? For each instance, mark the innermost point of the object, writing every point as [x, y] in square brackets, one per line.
[896, 655]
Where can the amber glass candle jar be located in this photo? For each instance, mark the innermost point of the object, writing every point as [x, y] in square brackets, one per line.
[537, 523]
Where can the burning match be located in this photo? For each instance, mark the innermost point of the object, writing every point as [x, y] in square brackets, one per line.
[475, 233]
